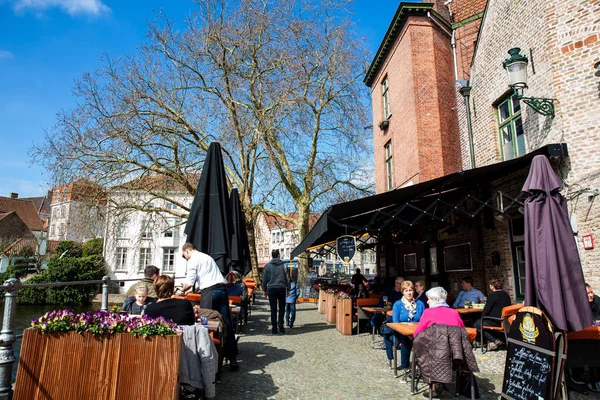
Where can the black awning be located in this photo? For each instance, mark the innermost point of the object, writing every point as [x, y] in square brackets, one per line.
[363, 216]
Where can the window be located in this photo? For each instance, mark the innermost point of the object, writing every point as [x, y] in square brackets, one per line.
[144, 258]
[61, 230]
[56, 196]
[386, 98]
[122, 229]
[51, 230]
[171, 206]
[389, 170]
[63, 211]
[121, 260]
[168, 260]
[512, 136]
[517, 236]
[171, 229]
[147, 229]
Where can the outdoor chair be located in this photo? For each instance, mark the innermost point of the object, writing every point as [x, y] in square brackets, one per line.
[507, 312]
[360, 314]
[237, 301]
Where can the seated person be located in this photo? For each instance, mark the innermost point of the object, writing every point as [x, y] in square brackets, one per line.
[468, 293]
[358, 279]
[420, 289]
[594, 302]
[150, 274]
[391, 296]
[236, 287]
[136, 305]
[496, 301]
[439, 312]
[362, 293]
[180, 311]
[407, 309]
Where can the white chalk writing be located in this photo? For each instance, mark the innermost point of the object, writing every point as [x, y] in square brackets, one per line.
[528, 374]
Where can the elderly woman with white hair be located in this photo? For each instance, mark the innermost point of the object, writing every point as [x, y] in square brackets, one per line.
[438, 312]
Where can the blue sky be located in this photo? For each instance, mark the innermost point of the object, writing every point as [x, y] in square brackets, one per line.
[46, 44]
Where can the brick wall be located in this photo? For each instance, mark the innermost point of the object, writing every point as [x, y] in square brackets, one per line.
[423, 126]
[561, 39]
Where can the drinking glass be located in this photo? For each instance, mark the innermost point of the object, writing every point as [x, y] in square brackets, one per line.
[204, 320]
[385, 299]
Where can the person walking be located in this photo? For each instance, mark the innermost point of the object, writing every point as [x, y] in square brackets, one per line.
[275, 283]
[201, 268]
[290, 304]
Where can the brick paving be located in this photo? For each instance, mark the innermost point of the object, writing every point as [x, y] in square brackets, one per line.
[314, 361]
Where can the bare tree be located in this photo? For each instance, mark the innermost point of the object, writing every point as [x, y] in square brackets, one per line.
[277, 82]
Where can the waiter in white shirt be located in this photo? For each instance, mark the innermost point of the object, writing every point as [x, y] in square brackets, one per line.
[201, 268]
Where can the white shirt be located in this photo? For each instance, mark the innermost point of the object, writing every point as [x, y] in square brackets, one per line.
[203, 269]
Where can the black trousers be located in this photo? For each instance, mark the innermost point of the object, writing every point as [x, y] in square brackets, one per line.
[277, 303]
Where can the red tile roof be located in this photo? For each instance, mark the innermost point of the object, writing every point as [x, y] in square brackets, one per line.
[25, 209]
[275, 221]
[160, 183]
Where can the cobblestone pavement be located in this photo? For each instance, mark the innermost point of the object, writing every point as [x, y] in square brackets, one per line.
[314, 361]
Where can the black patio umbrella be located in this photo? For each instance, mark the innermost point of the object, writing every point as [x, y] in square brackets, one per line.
[553, 275]
[209, 226]
[240, 250]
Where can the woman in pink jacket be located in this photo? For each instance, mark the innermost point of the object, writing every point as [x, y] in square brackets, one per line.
[438, 312]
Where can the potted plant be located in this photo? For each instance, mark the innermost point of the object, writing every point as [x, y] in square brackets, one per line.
[330, 305]
[344, 313]
[98, 355]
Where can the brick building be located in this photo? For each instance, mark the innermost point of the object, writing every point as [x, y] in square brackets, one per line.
[456, 209]
[561, 40]
[412, 90]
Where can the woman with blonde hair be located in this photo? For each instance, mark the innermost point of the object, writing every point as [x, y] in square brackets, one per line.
[407, 309]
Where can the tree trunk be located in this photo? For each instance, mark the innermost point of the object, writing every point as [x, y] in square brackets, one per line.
[302, 224]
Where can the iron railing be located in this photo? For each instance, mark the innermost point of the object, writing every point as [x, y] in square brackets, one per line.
[7, 334]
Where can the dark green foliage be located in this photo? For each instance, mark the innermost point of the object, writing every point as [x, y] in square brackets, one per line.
[93, 247]
[65, 269]
[72, 249]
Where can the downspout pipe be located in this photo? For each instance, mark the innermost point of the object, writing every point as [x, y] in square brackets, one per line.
[465, 91]
[453, 39]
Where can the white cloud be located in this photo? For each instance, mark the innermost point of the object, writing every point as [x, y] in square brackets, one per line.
[6, 55]
[71, 7]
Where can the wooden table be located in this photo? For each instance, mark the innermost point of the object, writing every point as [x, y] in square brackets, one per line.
[468, 311]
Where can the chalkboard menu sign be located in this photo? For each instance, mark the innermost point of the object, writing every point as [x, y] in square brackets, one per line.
[458, 257]
[530, 358]
[346, 247]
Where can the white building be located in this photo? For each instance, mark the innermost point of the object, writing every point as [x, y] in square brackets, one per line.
[77, 212]
[139, 237]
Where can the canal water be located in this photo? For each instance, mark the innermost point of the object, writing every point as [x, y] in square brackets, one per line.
[23, 316]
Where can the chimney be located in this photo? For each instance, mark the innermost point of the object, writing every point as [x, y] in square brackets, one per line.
[14, 195]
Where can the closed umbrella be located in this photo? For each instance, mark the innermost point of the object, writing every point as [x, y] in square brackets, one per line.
[553, 275]
[209, 226]
[240, 250]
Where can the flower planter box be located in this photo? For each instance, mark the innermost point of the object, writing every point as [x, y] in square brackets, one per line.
[321, 303]
[344, 316]
[120, 366]
[330, 308]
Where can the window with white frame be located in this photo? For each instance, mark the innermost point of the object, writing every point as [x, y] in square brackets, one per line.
[122, 229]
[51, 230]
[510, 125]
[121, 259]
[61, 230]
[145, 258]
[171, 229]
[147, 229]
[56, 196]
[63, 211]
[389, 167]
[385, 95]
[168, 259]
[171, 206]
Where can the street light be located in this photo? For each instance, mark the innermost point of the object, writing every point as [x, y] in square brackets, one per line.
[516, 70]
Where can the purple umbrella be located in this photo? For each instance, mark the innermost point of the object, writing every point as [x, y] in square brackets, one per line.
[553, 275]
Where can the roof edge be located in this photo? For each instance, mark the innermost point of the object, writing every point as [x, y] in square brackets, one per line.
[404, 10]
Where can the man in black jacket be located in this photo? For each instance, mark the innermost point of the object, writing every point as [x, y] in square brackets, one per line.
[275, 283]
[496, 301]
[594, 302]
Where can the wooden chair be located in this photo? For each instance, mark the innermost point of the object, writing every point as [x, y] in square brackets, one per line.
[507, 312]
[360, 314]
